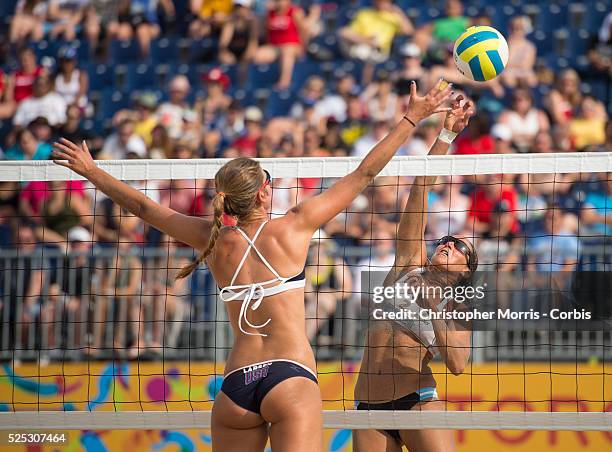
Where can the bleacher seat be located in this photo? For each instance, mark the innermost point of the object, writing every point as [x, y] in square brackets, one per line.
[7, 7]
[140, 76]
[263, 75]
[302, 71]
[164, 50]
[100, 77]
[111, 102]
[279, 103]
[597, 11]
[123, 52]
[202, 50]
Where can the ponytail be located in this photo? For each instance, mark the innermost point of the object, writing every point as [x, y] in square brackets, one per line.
[218, 206]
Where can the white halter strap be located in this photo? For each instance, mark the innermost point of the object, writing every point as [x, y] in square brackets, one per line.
[254, 292]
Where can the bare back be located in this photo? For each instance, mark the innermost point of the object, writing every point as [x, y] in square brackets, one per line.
[286, 251]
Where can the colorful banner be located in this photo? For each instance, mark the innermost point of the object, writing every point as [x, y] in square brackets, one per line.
[193, 386]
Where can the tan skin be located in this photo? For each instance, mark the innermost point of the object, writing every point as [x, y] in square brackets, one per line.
[292, 409]
[396, 354]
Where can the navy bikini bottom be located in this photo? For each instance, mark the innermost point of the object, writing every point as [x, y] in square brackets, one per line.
[405, 403]
[247, 386]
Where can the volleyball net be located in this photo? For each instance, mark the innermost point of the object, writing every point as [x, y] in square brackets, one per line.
[95, 332]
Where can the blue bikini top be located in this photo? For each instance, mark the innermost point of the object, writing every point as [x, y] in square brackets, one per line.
[255, 292]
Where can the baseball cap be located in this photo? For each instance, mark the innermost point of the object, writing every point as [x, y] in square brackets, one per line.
[501, 132]
[253, 113]
[410, 49]
[79, 234]
[147, 99]
[216, 75]
[245, 3]
[67, 53]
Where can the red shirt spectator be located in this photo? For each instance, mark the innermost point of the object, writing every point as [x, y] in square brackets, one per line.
[476, 139]
[282, 27]
[34, 193]
[490, 196]
[24, 77]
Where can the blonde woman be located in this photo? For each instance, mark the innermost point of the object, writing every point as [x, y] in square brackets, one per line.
[270, 387]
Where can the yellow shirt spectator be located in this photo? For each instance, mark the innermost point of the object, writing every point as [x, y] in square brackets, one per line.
[210, 8]
[383, 24]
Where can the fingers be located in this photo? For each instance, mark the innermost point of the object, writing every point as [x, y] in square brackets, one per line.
[61, 156]
[443, 110]
[85, 147]
[62, 163]
[69, 144]
[413, 90]
[65, 149]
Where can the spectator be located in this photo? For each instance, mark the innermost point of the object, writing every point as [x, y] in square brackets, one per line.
[231, 126]
[588, 127]
[139, 17]
[312, 92]
[145, 119]
[500, 247]
[22, 80]
[210, 15]
[123, 142]
[216, 102]
[523, 119]
[522, 55]
[70, 82]
[542, 143]
[41, 129]
[288, 33]
[65, 18]
[596, 212]
[28, 23]
[436, 36]
[370, 34]
[476, 139]
[600, 51]
[71, 129]
[44, 103]
[63, 209]
[335, 104]
[378, 130]
[553, 247]
[328, 279]
[7, 102]
[108, 220]
[70, 289]
[247, 143]
[448, 212]
[492, 190]
[161, 143]
[564, 100]
[27, 147]
[380, 100]
[502, 134]
[239, 38]
[607, 145]
[356, 125]
[424, 137]
[412, 68]
[171, 113]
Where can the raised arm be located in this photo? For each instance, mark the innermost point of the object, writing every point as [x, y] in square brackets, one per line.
[318, 210]
[410, 244]
[190, 230]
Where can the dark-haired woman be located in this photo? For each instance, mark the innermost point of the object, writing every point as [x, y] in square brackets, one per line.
[270, 386]
[395, 372]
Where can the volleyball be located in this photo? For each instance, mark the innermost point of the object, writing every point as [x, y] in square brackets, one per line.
[481, 53]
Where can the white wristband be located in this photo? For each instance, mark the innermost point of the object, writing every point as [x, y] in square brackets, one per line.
[447, 136]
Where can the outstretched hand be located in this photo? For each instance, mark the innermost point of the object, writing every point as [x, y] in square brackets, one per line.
[458, 117]
[421, 107]
[77, 158]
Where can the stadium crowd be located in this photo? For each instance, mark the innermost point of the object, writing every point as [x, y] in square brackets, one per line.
[155, 79]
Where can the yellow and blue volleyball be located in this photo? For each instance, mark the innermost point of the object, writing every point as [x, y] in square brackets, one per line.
[481, 53]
